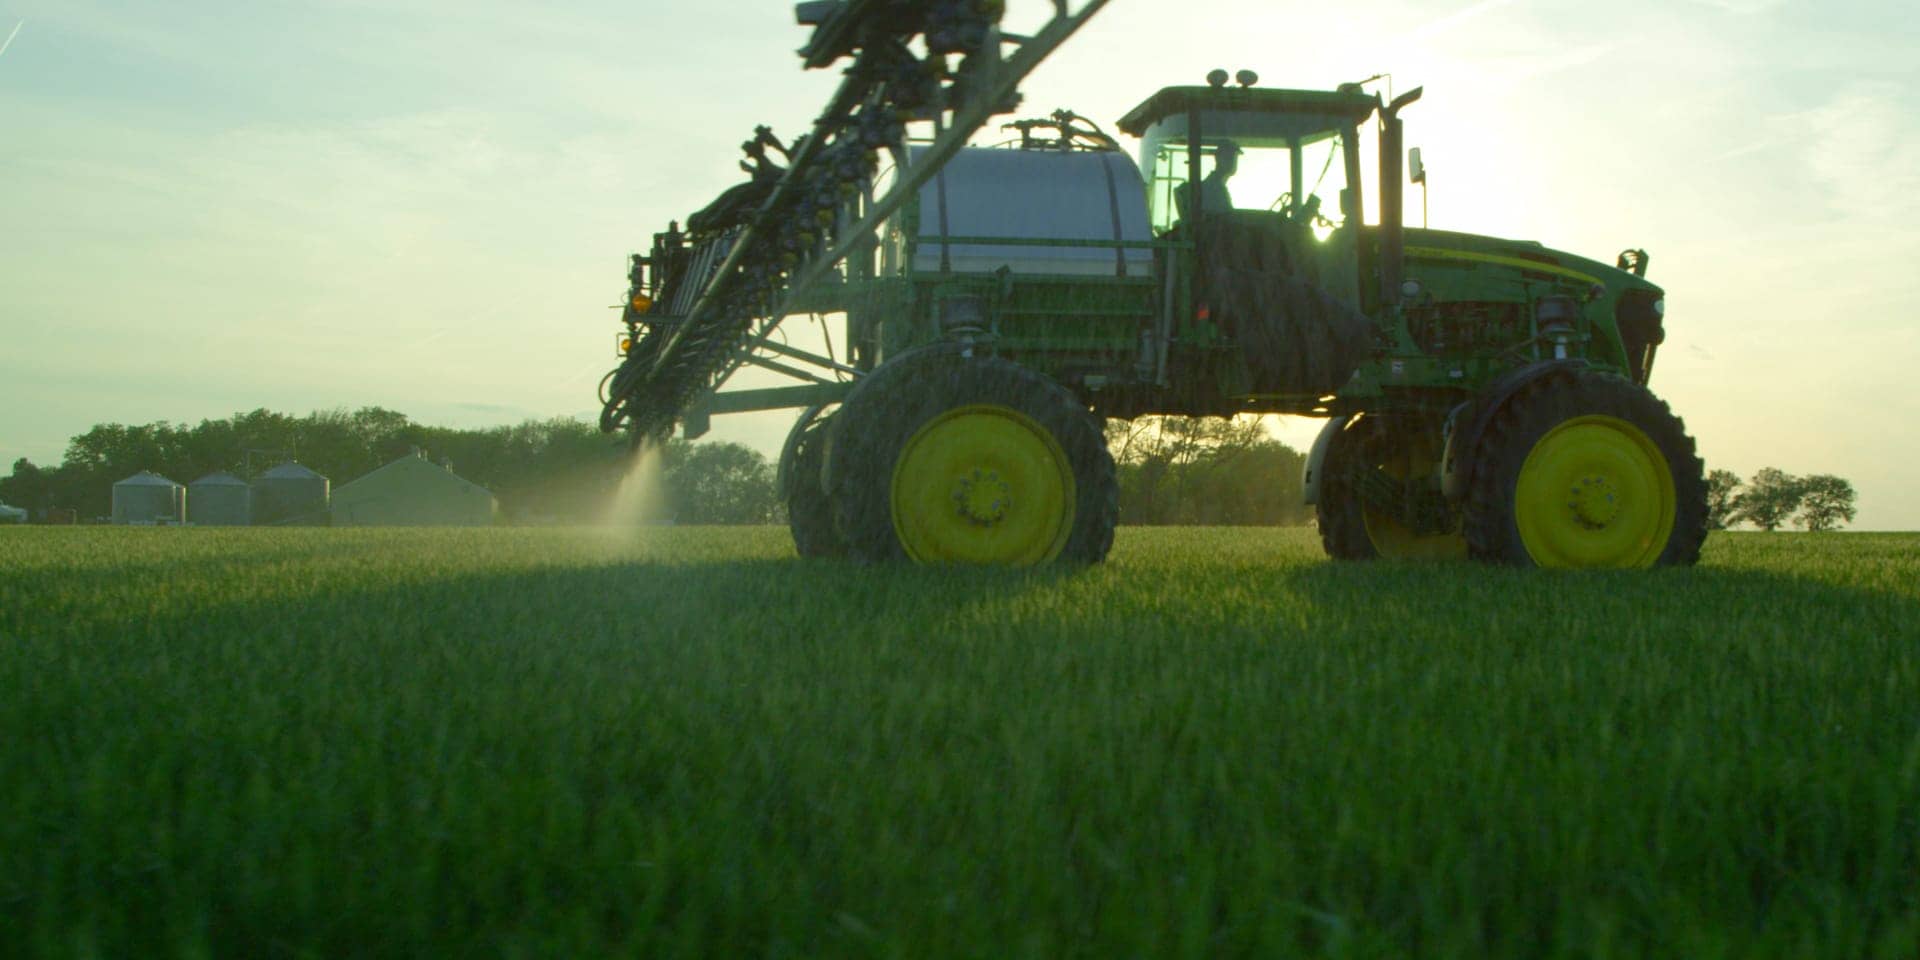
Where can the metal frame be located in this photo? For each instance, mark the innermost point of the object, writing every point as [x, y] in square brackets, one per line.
[991, 83]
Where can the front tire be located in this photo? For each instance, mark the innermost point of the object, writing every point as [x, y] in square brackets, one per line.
[941, 458]
[1586, 469]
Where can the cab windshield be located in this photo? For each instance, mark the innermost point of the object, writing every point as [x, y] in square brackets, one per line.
[1304, 179]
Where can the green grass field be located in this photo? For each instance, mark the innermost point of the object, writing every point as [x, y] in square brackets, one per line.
[559, 743]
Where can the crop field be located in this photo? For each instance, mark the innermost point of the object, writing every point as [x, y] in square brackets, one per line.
[688, 743]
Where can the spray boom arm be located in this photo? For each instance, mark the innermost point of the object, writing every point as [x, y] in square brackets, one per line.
[758, 252]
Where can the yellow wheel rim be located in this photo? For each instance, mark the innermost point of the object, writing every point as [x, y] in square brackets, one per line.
[983, 484]
[1393, 540]
[1595, 492]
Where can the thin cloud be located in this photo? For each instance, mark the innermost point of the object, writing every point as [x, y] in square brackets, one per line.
[4, 44]
[1742, 7]
[443, 333]
[1752, 147]
[1858, 149]
[1536, 67]
[1434, 28]
[593, 368]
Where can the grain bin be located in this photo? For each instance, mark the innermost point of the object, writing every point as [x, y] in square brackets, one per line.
[148, 497]
[221, 500]
[290, 494]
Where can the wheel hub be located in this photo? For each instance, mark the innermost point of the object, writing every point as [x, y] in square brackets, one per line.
[1595, 491]
[1594, 502]
[982, 498]
[957, 479]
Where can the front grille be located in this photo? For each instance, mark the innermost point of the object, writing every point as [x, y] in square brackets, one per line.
[1641, 331]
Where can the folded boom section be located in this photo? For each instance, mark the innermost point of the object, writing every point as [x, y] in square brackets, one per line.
[705, 299]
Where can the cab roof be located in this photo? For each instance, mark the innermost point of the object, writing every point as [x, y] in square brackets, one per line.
[1347, 107]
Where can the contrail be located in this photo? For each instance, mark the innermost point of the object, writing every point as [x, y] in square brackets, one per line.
[4, 44]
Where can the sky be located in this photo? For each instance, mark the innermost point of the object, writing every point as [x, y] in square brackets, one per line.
[427, 205]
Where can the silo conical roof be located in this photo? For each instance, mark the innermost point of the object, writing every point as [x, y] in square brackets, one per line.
[146, 478]
[290, 471]
[219, 478]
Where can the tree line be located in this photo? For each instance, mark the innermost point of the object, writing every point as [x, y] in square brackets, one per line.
[559, 470]
[1172, 470]
[1773, 498]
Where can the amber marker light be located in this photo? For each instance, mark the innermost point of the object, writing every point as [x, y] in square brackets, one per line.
[641, 303]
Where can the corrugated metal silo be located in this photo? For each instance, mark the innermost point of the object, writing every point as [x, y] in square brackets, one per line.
[221, 500]
[290, 494]
[148, 497]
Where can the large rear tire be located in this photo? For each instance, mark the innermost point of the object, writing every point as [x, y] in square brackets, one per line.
[1586, 469]
[941, 458]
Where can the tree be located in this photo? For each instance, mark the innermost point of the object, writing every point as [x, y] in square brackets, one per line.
[1826, 502]
[1204, 470]
[27, 487]
[1256, 484]
[1723, 487]
[718, 483]
[1770, 499]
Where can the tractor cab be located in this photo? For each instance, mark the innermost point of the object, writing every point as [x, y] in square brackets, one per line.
[1289, 153]
[1239, 169]
[1263, 187]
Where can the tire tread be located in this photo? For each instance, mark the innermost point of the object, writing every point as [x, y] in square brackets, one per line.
[888, 405]
[1493, 536]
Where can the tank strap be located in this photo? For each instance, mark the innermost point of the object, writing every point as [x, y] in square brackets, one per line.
[1113, 208]
[946, 248]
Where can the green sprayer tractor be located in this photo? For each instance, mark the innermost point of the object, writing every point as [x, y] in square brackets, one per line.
[1484, 398]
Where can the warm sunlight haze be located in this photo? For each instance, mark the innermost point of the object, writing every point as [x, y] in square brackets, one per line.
[1202, 479]
[425, 205]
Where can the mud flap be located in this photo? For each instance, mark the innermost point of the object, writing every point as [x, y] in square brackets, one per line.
[1312, 473]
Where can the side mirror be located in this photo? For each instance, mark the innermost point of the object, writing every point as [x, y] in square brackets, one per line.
[1416, 171]
[816, 12]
